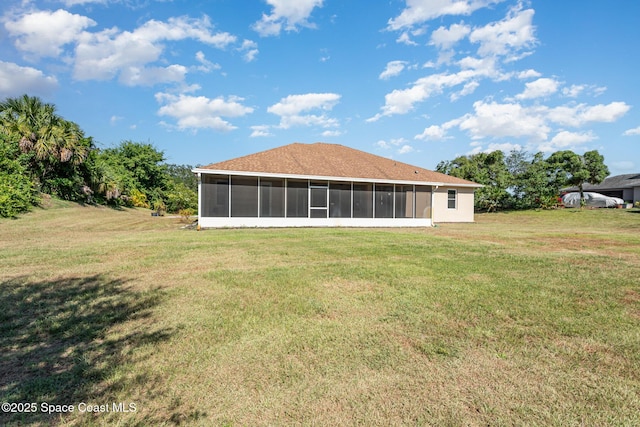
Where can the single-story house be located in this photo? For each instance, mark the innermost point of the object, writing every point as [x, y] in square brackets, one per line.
[315, 185]
[625, 187]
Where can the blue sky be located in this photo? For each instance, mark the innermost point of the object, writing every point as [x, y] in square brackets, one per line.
[419, 81]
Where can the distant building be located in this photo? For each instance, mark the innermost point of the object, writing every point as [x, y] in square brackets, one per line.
[626, 187]
[315, 185]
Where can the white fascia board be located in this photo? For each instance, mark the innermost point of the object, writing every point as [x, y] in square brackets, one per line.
[328, 178]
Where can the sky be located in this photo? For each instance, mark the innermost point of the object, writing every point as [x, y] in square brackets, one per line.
[419, 81]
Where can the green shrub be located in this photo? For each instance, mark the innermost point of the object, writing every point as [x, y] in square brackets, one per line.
[17, 194]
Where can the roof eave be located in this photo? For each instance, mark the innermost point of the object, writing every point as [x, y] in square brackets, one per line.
[333, 178]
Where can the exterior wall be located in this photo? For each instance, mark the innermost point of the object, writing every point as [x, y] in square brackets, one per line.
[313, 222]
[636, 194]
[463, 211]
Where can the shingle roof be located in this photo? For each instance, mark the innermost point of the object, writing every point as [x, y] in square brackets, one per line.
[332, 160]
[616, 182]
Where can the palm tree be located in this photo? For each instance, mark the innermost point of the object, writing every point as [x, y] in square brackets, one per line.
[38, 129]
[51, 143]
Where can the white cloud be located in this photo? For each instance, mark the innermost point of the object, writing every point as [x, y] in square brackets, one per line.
[565, 140]
[106, 54]
[250, 50]
[445, 38]
[393, 69]
[205, 65]
[504, 120]
[573, 91]
[468, 89]
[505, 147]
[287, 14]
[433, 133]
[44, 33]
[296, 104]
[402, 101]
[508, 36]
[405, 149]
[16, 80]
[331, 133]
[539, 88]
[393, 142]
[632, 132]
[69, 3]
[404, 38]
[199, 112]
[382, 144]
[580, 114]
[291, 109]
[419, 11]
[149, 76]
[260, 131]
[528, 74]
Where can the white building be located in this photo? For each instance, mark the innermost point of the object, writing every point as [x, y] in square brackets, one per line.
[328, 185]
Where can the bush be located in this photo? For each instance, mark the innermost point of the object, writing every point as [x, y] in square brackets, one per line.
[186, 214]
[17, 191]
[17, 195]
[138, 199]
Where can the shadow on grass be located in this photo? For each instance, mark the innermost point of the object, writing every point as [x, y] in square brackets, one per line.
[57, 342]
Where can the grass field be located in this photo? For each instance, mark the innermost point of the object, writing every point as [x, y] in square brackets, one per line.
[528, 318]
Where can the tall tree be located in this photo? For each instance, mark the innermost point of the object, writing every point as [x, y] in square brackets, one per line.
[54, 147]
[131, 169]
[567, 168]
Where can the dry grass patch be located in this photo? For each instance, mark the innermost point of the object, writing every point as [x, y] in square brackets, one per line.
[526, 318]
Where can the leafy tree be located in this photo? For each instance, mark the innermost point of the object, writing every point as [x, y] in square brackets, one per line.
[129, 170]
[182, 174]
[523, 181]
[17, 192]
[488, 169]
[182, 188]
[566, 168]
[530, 180]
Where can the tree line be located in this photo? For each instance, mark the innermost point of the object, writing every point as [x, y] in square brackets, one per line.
[520, 180]
[43, 153]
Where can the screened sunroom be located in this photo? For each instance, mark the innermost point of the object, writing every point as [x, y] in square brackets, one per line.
[314, 185]
[233, 200]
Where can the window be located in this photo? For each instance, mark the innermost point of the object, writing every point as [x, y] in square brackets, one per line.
[244, 196]
[339, 200]
[423, 201]
[404, 201]
[384, 201]
[362, 200]
[451, 199]
[271, 197]
[297, 199]
[215, 196]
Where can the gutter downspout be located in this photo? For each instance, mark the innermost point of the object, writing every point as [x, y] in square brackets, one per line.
[433, 205]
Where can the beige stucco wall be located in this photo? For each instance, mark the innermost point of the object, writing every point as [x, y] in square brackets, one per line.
[464, 206]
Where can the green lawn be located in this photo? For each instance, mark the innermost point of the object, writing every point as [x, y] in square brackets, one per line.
[528, 318]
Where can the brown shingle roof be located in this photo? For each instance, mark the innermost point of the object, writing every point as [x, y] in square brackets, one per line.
[332, 160]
